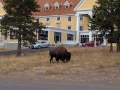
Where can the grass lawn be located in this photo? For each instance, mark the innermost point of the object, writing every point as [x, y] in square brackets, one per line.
[86, 64]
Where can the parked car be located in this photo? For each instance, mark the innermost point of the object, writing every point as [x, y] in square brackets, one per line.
[40, 44]
[90, 43]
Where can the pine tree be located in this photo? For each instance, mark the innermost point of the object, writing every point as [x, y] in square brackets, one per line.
[20, 22]
[117, 23]
[104, 19]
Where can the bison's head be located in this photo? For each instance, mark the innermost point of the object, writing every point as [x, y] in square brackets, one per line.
[68, 56]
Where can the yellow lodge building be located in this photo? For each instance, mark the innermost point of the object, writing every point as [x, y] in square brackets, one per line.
[66, 22]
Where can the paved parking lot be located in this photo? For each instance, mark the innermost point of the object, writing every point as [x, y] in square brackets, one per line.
[21, 84]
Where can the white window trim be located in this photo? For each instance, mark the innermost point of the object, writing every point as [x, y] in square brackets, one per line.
[46, 7]
[57, 21]
[67, 6]
[47, 20]
[57, 7]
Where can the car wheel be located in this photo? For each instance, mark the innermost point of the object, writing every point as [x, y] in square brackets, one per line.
[32, 47]
[39, 47]
[46, 46]
[86, 45]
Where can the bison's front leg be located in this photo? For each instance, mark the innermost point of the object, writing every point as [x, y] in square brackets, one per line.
[57, 59]
[51, 59]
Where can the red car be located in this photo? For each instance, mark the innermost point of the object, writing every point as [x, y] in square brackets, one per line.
[90, 44]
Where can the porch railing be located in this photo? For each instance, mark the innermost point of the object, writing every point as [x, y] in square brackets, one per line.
[69, 42]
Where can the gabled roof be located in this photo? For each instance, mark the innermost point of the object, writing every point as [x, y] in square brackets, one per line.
[2, 11]
[85, 5]
[46, 4]
[52, 11]
[2, 2]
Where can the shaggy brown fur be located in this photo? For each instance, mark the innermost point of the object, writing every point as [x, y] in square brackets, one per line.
[59, 53]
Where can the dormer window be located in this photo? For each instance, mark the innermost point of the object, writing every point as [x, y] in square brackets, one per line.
[46, 6]
[57, 6]
[67, 4]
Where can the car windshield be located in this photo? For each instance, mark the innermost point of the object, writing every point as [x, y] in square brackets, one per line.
[37, 42]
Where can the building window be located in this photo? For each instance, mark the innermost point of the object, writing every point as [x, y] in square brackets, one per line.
[46, 8]
[56, 7]
[69, 36]
[84, 38]
[57, 36]
[69, 27]
[13, 35]
[58, 18]
[47, 19]
[81, 18]
[37, 20]
[69, 18]
[43, 35]
[81, 28]
[67, 6]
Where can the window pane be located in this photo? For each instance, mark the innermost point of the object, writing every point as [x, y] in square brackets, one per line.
[43, 35]
[81, 18]
[47, 19]
[81, 28]
[84, 38]
[69, 36]
[69, 18]
[58, 18]
[57, 36]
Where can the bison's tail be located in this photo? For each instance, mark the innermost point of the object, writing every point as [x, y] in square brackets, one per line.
[49, 49]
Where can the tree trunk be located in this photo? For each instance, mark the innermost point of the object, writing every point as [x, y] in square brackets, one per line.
[118, 45]
[19, 45]
[19, 48]
[111, 47]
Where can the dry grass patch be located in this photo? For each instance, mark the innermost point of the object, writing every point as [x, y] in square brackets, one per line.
[86, 63]
[2, 49]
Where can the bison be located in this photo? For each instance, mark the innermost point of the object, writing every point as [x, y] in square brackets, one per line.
[60, 53]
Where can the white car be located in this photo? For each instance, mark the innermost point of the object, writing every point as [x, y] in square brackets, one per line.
[40, 44]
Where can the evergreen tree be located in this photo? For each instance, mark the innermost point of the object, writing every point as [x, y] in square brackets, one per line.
[104, 19]
[19, 21]
[117, 23]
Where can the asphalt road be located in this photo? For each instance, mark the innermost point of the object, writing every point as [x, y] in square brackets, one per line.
[23, 51]
[19, 84]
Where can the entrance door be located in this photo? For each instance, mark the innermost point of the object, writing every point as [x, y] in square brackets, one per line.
[57, 36]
